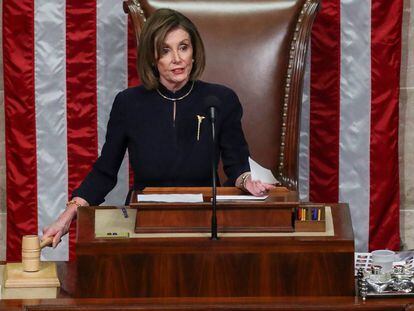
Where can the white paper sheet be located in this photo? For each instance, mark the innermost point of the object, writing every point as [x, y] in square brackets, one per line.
[261, 173]
[241, 198]
[171, 198]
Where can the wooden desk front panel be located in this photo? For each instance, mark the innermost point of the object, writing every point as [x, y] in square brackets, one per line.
[214, 275]
[198, 267]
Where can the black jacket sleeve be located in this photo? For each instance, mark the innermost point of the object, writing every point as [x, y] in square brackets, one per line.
[103, 176]
[232, 143]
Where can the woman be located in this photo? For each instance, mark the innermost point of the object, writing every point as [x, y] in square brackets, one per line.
[162, 123]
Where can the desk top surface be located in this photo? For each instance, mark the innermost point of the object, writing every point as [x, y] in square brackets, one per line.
[86, 240]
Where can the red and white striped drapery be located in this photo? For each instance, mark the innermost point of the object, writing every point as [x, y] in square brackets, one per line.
[64, 61]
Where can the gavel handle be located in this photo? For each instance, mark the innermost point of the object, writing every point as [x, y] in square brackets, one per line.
[46, 242]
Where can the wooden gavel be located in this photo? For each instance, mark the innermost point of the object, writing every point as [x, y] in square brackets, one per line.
[31, 246]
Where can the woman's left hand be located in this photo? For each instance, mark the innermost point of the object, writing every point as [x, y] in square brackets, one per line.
[256, 187]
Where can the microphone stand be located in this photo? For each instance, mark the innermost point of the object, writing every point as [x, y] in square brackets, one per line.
[214, 174]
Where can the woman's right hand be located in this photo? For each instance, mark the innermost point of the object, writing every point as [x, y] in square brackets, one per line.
[61, 226]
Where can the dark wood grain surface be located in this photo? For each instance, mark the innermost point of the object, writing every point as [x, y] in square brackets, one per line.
[273, 214]
[229, 267]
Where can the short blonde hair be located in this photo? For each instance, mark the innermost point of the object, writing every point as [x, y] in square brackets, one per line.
[152, 38]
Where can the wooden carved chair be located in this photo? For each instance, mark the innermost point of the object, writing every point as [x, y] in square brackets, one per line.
[258, 48]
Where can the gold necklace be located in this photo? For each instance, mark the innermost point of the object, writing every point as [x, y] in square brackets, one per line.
[174, 100]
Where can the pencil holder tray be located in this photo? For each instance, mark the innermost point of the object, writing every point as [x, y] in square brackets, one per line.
[309, 218]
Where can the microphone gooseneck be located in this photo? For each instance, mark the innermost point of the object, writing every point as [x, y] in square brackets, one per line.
[212, 103]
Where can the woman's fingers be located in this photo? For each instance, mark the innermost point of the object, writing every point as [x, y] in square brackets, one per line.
[56, 231]
[60, 227]
[255, 187]
[49, 231]
[258, 188]
[57, 239]
[269, 186]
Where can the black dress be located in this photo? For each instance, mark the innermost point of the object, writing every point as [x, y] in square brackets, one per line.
[164, 152]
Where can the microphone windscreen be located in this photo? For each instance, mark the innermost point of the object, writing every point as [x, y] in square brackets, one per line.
[211, 101]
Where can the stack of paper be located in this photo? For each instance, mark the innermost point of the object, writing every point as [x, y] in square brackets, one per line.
[171, 198]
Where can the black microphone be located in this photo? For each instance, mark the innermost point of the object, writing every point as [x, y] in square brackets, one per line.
[212, 104]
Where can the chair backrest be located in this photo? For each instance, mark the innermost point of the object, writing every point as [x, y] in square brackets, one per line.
[258, 48]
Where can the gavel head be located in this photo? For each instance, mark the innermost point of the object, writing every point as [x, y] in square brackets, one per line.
[31, 253]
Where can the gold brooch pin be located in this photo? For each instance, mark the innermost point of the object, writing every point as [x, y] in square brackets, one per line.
[199, 120]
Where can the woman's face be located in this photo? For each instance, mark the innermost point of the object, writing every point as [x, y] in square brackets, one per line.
[176, 59]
